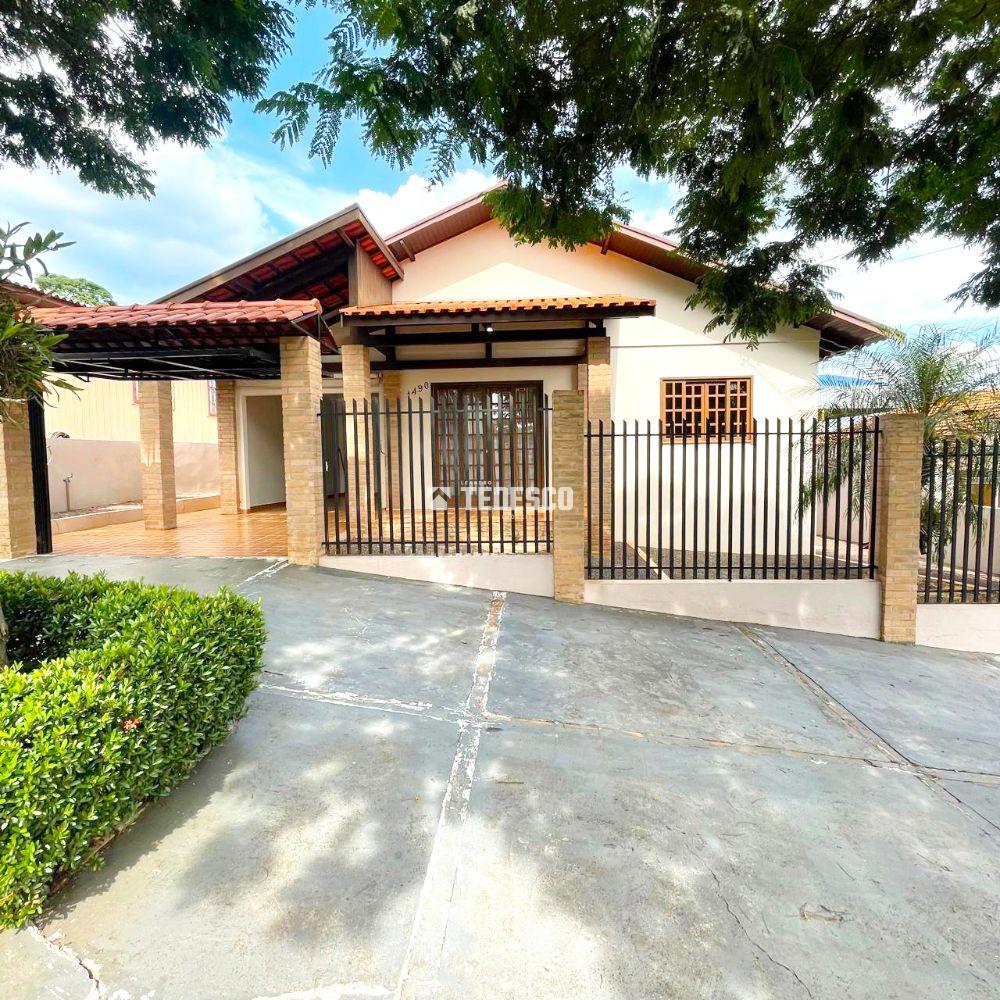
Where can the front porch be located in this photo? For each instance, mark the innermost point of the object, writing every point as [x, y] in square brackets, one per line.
[198, 533]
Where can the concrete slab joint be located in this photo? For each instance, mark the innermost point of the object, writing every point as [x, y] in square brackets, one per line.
[897, 545]
[568, 526]
[301, 398]
[156, 453]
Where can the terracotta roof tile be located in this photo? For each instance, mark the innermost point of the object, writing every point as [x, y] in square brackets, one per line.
[177, 314]
[564, 304]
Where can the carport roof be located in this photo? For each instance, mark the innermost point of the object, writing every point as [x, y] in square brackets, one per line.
[179, 339]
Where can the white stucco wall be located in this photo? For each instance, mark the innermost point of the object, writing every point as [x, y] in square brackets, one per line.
[974, 628]
[486, 263]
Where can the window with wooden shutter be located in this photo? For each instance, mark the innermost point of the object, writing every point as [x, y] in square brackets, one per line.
[706, 406]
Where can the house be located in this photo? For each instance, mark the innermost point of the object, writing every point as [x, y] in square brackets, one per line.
[383, 386]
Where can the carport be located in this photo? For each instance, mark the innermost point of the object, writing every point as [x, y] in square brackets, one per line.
[160, 343]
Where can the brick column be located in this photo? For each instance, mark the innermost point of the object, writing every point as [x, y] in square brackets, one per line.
[568, 526]
[156, 452]
[360, 483]
[897, 545]
[392, 394]
[17, 502]
[597, 380]
[301, 399]
[225, 415]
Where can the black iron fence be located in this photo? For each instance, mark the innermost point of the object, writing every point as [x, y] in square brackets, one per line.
[451, 477]
[785, 500]
[958, 542]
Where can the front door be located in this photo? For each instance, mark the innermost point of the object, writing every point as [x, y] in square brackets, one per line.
[487, 435]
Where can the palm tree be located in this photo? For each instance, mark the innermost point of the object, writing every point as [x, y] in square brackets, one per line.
[947, 376]
[940, 373]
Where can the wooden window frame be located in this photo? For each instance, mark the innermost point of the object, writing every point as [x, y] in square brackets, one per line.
[700, 433]
[487, 385]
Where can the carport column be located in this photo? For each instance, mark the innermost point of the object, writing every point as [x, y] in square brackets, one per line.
[357, 391]
[392, 392]
[568, 525]
[598, 408]
[301, 399]
[17, 503]
[156, 452]
[225, 415]
[897, 545]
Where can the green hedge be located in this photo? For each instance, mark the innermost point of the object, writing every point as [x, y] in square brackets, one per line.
[113, 693]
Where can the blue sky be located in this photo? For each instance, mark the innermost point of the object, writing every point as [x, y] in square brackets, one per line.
[213, 206]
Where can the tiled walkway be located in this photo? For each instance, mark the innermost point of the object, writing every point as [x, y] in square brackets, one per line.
[199, 533]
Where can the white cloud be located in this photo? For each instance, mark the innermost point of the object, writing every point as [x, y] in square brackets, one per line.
[416, 197]
[913, 287]
[211, 207]
[659, 221]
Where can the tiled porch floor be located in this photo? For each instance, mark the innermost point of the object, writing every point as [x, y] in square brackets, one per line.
[198, 533]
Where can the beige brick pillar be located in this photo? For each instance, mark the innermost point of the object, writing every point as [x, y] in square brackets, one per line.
[17, 503]
[568, 526]
[156, 452]
[897, 545]
[360, 481]
[225, 415]
[301, 398]
[597, 380]
[392, 393]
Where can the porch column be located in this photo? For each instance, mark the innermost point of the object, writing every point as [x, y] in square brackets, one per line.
[897, 541]
[392, 393]
[225, 417]
[597, 385]
[568, 526]
[17, 503]
[301, 399]
[156, 452]
[357, 390]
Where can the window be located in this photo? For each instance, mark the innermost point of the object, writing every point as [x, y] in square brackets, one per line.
[706, 406]
[212, 398]
[487, 434]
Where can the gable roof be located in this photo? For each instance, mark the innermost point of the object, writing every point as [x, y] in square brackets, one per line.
[840, 329]
[311, 263]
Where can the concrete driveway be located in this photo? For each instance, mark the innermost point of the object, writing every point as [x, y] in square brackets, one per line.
[442, 793]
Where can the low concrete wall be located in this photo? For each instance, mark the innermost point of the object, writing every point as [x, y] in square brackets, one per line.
[842, 607]
[516, 574]
[108, 472]
[123, 515]
[974, 628]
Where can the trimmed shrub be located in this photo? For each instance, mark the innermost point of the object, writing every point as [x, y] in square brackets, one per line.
[113, 693]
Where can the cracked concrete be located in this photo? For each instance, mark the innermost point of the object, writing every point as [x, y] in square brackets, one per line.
[439, 793]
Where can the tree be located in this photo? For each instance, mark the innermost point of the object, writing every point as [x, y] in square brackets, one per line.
[950, 380]
[26, 352]
[87, 86]
[785, 125]
[82, 290]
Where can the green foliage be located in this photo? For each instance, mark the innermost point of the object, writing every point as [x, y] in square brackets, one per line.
[26, 351]
[85, 85]
[785, 125]
[947, 377]
[81, 290]
[18, 256]
[114, 692]
[940, 373]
